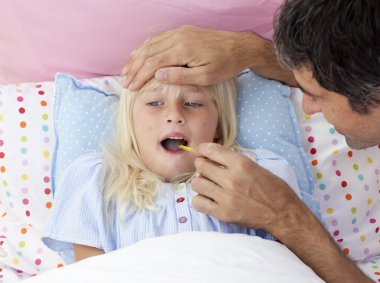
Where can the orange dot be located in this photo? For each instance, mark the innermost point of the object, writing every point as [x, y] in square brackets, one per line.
[314, 162]
[349, 153]
[348, 197]
[24, 231]
[43, 103]
[2, 169]
[377, 273]
[60, 265]
[23, 124]
[48, 204]
[346, 251]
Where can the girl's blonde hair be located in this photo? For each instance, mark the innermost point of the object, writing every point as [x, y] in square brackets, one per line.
[127, 179]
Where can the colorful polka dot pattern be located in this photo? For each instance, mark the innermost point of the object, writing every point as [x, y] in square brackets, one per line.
[347, 186]
[26, 144]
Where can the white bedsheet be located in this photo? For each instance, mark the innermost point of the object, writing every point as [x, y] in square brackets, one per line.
[189, 257]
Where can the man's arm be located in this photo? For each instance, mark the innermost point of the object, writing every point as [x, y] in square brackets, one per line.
[242, 192]
[192, 55]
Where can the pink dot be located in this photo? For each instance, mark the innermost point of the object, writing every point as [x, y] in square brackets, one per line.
[377, 171]
[1, 142]
[20, 99]
[25, 201]
[27, 213]
[334, 162]
[366, 251]
[37, 261]
[46, 168]
[372, 220]
[338, 173]
[40, 250]
[38, 86]
[24, 190]
[47, 191]
[308, 129]
[46, 179]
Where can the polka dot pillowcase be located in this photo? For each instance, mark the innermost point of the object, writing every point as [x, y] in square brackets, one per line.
[26, 147]
[83, 118]
[347, 184]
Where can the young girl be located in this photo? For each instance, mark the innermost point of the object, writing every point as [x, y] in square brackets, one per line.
[139, 186]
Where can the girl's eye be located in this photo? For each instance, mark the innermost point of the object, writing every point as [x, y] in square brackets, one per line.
[192, 104]
[155, 103]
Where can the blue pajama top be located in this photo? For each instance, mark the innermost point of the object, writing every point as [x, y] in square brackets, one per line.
[77, 213]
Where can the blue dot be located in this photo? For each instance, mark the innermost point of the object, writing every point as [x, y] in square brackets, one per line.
[353, 221]
[8, 193]
[45, 128]
[24, 150]
[332, 131]
[322, 187]
[361, 177]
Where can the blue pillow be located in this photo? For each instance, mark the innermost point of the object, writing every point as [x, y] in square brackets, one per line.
[83, 119]
[267, 120]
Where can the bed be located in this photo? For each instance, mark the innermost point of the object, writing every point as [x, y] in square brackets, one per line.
[49, 71]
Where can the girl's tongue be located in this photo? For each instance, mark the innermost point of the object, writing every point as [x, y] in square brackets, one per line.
[171, 144]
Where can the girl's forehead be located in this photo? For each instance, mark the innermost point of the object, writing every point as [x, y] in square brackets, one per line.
[176, 89]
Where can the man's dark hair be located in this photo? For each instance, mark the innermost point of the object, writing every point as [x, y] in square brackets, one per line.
[339, 41]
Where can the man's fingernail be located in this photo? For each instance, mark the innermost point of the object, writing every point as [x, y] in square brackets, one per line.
[161, 75]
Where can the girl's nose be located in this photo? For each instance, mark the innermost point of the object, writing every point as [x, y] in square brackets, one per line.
[175, 115]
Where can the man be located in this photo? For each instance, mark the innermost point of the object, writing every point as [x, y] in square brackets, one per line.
[333, 50]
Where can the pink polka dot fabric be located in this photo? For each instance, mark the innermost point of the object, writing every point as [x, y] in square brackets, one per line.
[26, 146]
[347, 186]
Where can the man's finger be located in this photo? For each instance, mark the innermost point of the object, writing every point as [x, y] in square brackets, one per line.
[210, 170]
[205, 187]
[182, 75]
[218, 154]
[204, 204]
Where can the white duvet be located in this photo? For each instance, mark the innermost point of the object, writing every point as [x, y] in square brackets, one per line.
[189, 257]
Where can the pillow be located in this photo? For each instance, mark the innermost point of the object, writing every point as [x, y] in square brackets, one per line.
[83, 114]
[265, 113]
[206, 257]
[26, 147]
[94, 38]
[347, 186]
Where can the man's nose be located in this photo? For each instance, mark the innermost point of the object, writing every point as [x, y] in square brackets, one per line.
[309, 105]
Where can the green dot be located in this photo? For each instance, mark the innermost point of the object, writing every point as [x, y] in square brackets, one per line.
[24, 138]
[356, 167]
[375, 267]
[353, 210]
[45, 116]
[21, 244]
[5, 183]
[319, 175]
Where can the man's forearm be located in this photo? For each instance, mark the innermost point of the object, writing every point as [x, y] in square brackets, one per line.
[305, 236]
[259, 55]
